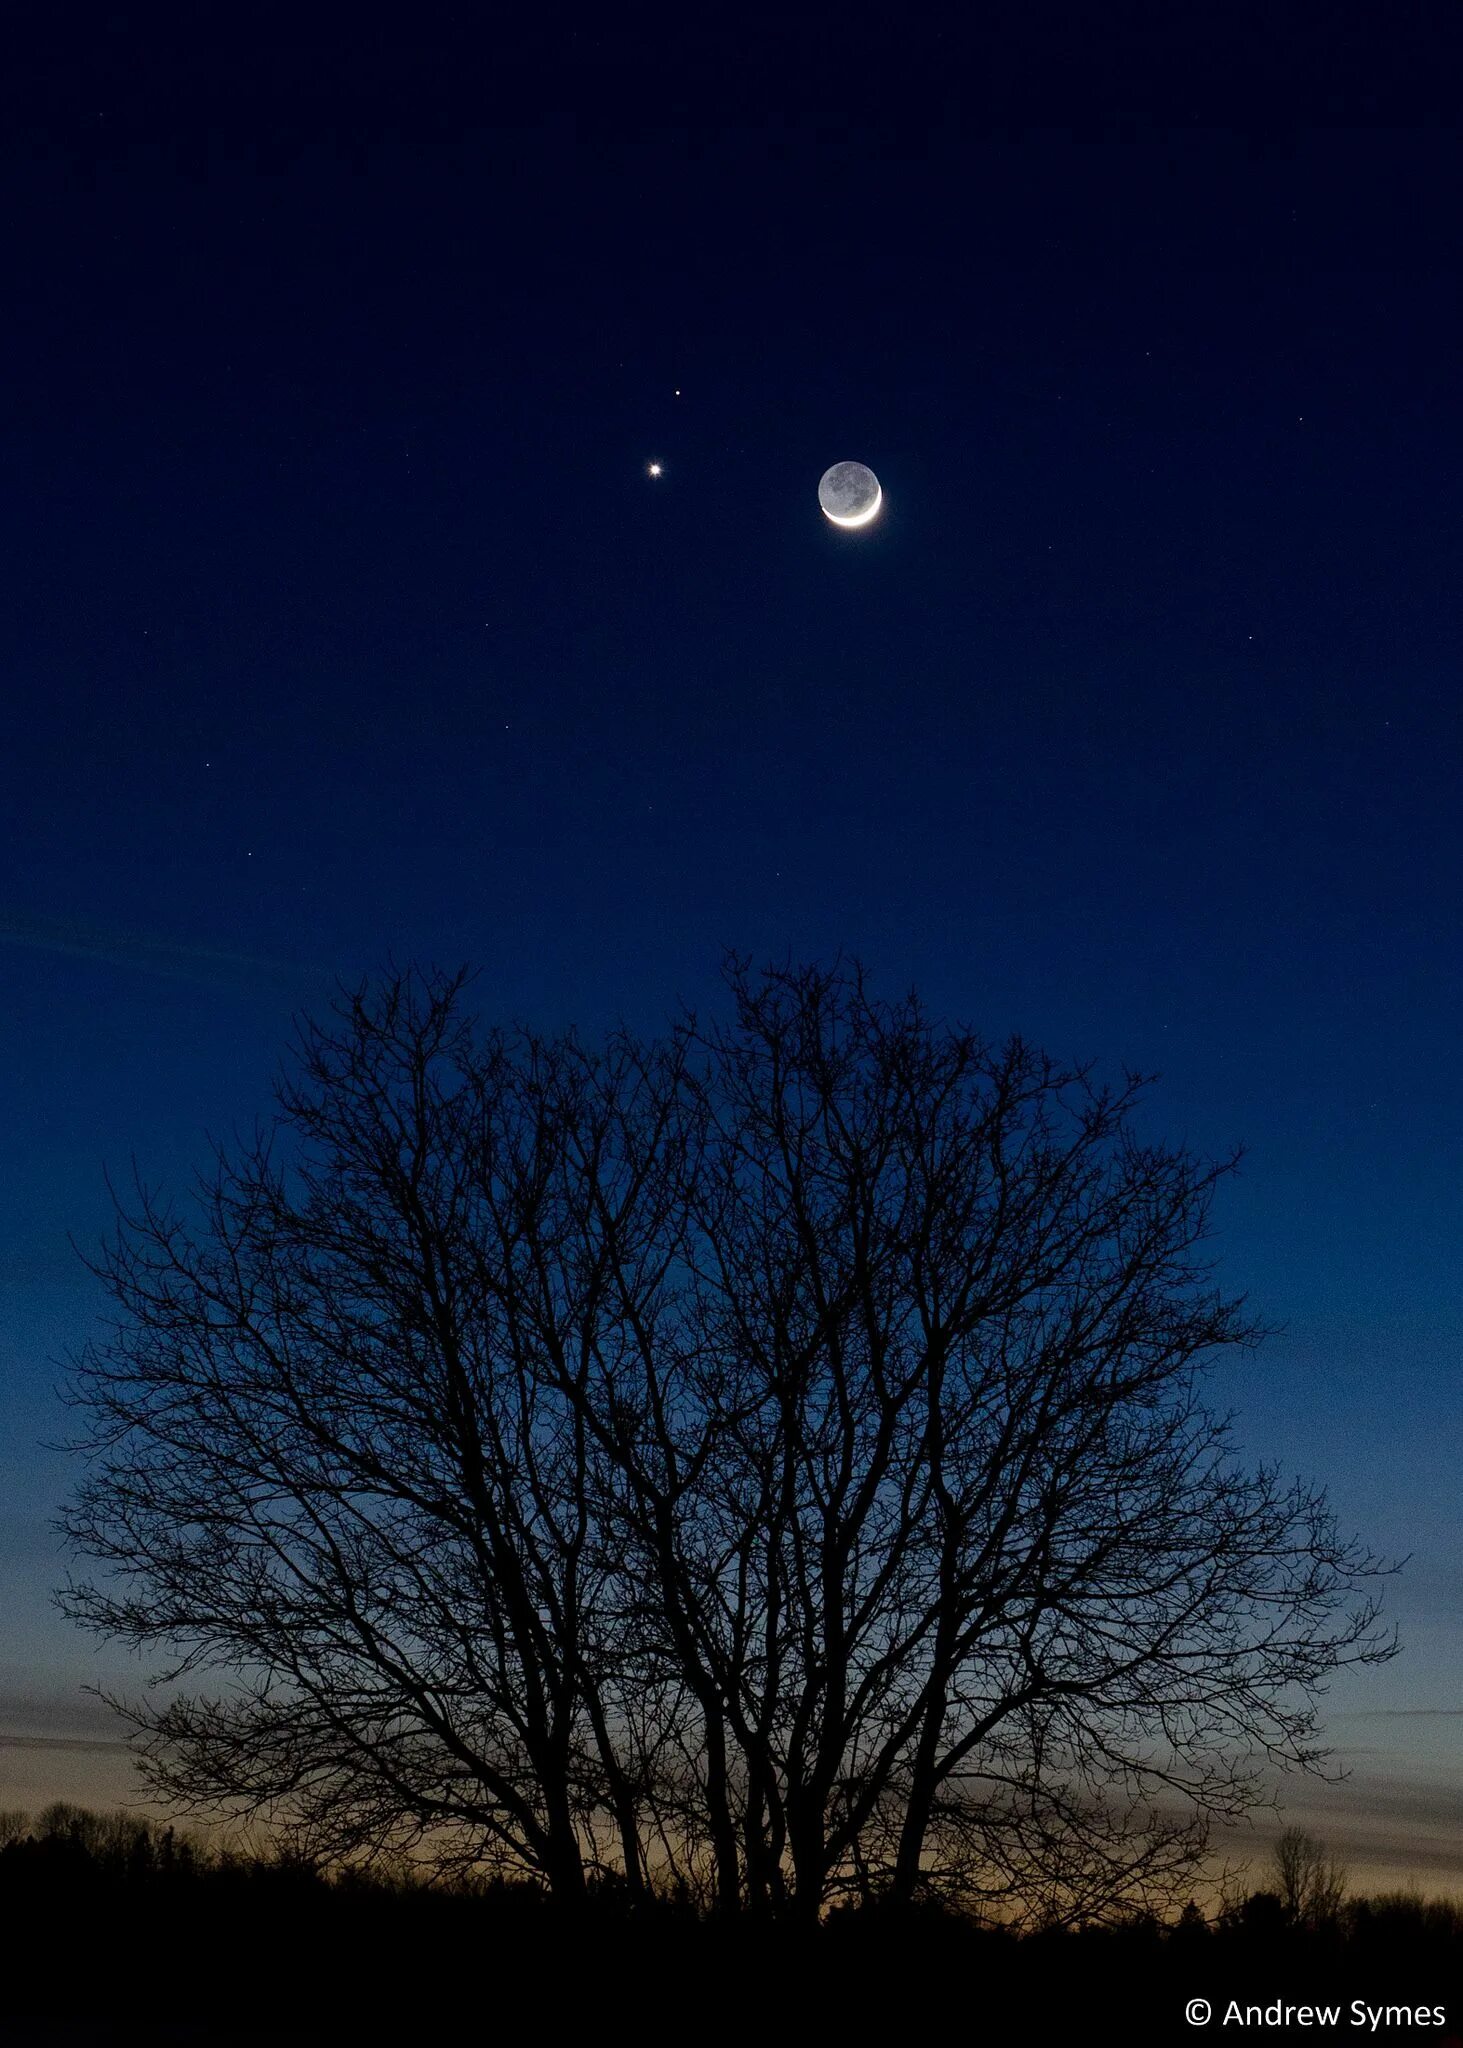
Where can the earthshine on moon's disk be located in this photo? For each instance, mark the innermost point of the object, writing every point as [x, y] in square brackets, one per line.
[849, 494]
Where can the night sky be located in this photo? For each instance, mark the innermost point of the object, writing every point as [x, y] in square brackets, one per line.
[343, 621]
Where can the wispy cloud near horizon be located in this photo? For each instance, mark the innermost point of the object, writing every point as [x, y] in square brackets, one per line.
[87, 1745]
[179, 959]
[1401, 1714]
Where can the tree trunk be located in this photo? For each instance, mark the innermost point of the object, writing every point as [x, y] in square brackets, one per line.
[805, 1838]
[723, 1830]
[917, 1808]
[563, 1855]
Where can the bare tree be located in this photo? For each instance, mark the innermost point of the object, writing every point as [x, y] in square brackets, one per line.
[1310, 1883]
[770, 1459]
[984, 1600]
[326, 1466]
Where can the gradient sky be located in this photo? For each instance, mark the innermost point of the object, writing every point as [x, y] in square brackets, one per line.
[341, 619]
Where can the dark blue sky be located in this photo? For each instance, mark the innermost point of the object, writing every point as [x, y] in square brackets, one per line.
[341, 619]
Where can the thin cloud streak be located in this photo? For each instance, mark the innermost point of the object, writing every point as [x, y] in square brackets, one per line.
[177, 959]
[88, 1745]
[1402, 1714]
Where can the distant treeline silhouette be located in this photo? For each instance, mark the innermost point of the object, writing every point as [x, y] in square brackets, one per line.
[107, 1913]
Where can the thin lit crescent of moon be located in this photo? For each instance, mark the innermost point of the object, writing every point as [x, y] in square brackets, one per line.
[859, 518]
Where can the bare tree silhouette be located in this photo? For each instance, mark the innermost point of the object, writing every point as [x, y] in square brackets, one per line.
[15, 1825]
[1310, 1883]
[769, 1460]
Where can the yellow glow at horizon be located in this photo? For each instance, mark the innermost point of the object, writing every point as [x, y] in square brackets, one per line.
[859, 518]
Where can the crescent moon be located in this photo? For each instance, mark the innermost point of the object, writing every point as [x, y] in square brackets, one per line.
[860, 518]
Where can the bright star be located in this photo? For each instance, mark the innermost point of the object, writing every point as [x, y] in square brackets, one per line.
[654, 469]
